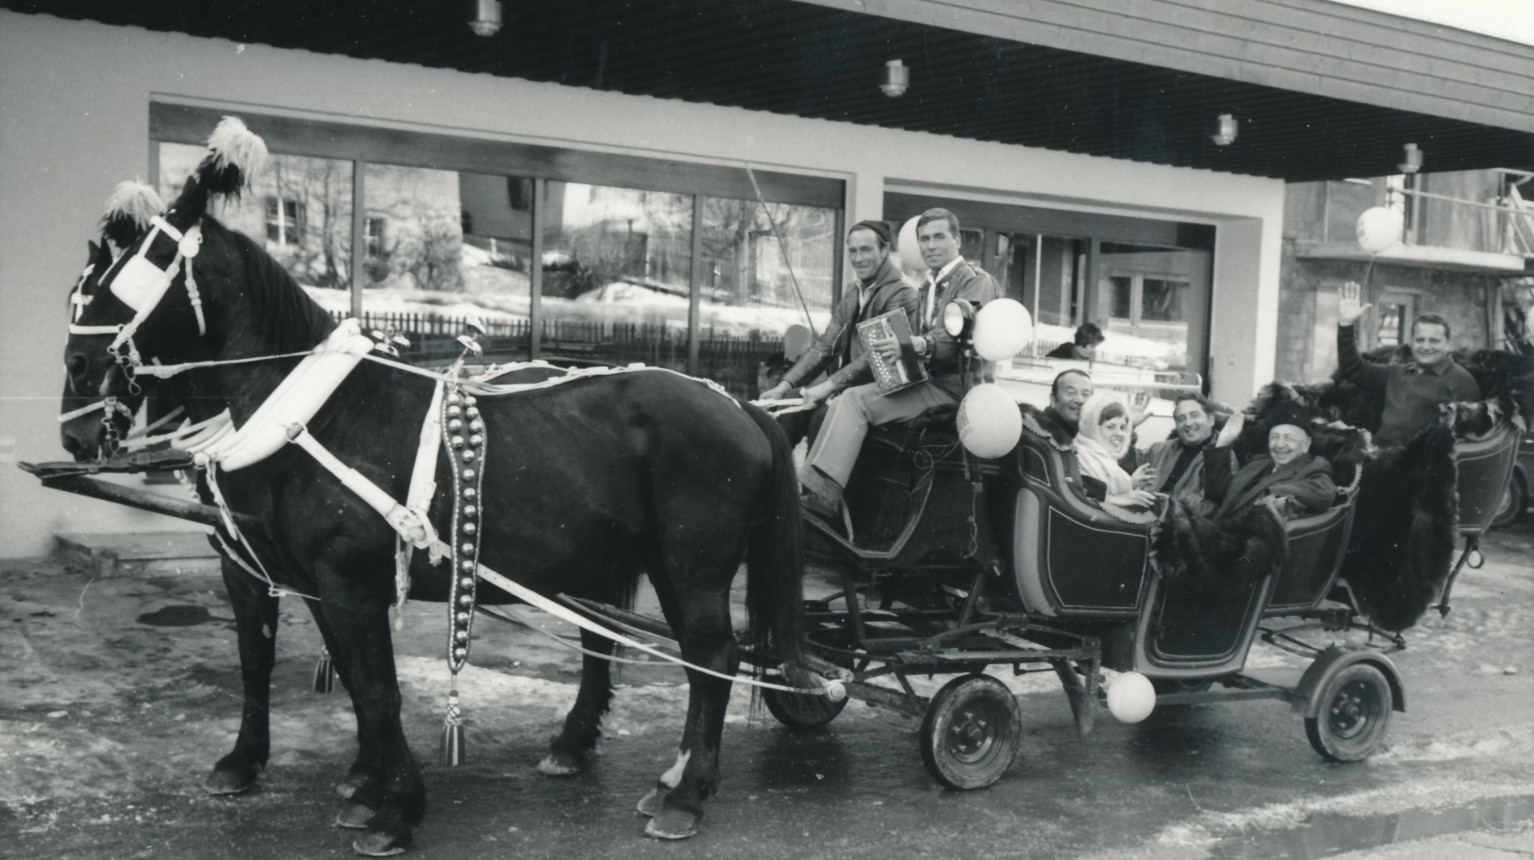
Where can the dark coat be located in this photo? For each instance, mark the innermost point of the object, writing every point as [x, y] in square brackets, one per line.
[964, 281]
[1162, 456]
[838, 346]
[1306, 481]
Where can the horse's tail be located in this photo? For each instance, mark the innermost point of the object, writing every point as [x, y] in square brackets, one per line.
[774, 588]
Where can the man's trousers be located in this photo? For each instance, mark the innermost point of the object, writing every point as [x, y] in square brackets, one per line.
[848, 417]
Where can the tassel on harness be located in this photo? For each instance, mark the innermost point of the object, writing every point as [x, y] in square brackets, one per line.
[324, 673]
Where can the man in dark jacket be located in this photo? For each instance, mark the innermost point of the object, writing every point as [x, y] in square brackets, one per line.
[1176, 466]
[1414, 390]
[850, 414]
[880, 289]
[1291, 479]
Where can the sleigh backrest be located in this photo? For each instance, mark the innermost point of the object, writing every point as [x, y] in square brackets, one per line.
[1070, 558]
[1485, 466]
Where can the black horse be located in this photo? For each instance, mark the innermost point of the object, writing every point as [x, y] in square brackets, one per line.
[585, 485]
[194, 393]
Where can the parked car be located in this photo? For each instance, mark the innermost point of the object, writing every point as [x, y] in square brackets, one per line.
[1516, 499]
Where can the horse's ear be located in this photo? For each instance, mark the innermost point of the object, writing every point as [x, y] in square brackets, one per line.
[92, 251]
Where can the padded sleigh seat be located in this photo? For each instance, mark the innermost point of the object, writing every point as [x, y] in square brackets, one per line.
[934, 427]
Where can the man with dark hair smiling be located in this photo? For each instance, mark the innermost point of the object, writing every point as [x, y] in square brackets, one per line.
[1070, 390]
[880, 289]
[848, 416]
[1176, 466]
[1414, 390]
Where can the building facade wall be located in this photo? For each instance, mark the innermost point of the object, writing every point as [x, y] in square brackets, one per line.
[74, 112]
[1307, 309]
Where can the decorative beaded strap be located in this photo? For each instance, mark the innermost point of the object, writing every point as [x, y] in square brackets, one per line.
[463, 431]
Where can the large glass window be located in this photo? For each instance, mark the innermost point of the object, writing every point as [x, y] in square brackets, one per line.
[616, 269]
[766, 269]
[299, 209]
[672, 277]
[444, 248]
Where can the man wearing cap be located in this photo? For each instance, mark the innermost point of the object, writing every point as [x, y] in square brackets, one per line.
[1290, 479]
[880, 289]
[1414, 390]
[850, 414]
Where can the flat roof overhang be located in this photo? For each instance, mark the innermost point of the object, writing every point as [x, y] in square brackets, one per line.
[1320, 90]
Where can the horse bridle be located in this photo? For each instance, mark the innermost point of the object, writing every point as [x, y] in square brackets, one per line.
[141, 285]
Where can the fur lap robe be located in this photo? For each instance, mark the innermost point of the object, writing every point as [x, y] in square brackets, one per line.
[1406, 524]
[1198, 554]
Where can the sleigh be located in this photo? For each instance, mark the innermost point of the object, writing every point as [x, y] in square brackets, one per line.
[949, 565]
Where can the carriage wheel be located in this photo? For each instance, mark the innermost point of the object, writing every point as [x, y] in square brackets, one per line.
[799, 711]
[1354, 714]
[970, 734]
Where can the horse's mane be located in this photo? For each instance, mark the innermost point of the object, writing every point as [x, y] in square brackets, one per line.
[283, 311]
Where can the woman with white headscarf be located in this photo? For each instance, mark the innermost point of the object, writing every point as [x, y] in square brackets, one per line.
[1102, 441]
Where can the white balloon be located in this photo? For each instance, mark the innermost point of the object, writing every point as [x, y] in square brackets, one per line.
[909, 248]
[989, 421]
[1379, 229]
[1131, 697]
[1003, 329]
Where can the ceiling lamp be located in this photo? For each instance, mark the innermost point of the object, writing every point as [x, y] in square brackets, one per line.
[1224, 130]
[487, 18]
[1411, 159]
[896, 78]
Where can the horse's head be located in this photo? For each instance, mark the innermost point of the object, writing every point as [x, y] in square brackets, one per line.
[89, 414]
[146, 306]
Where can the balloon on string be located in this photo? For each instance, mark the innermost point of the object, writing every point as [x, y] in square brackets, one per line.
[1131, 697]
[1003, 329]
[1379, 229]
[909, 248]
[989, 421]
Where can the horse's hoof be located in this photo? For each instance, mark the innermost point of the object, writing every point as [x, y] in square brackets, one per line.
[650, 805]
[559, 764]
[672, 823]
[378, 844]
[348, 787]
[223, 783]
[354, 816]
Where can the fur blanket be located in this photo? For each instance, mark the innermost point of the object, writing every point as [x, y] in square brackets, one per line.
[1214, 557]
[1406, 525]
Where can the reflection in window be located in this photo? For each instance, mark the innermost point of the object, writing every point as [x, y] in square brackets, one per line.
[284, 221]
[299, 209]
[755, 287]
[616, 269]
[1391, 316]
[1161, 300]
[1123, 297]
[444, 248]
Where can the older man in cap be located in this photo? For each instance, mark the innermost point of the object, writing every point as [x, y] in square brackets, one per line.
[1290, 479]
[880, 289]
[949, 278]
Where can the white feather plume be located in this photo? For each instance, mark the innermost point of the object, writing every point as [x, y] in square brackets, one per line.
[233, 145]
[133, 199]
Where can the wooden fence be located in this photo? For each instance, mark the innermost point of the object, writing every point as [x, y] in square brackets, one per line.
[735, 361]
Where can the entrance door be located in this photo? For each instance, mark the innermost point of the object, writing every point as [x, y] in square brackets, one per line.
[1155, 302]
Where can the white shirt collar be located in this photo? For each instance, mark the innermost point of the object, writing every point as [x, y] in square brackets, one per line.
[943, 272]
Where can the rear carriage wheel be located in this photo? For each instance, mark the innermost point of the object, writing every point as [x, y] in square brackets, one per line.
[1354, 714]
[800, 711]
[970, 734]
